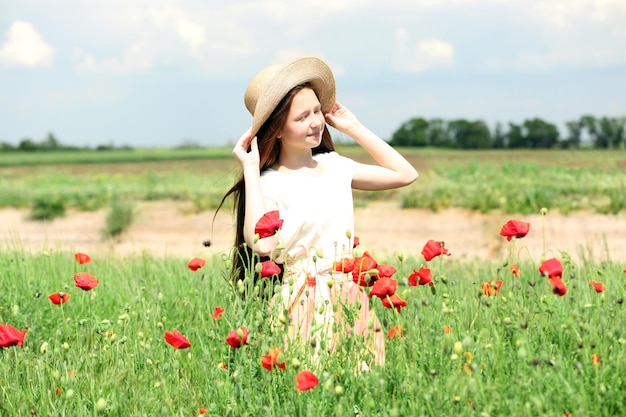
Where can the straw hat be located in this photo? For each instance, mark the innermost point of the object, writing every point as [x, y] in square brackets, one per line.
[270, 86]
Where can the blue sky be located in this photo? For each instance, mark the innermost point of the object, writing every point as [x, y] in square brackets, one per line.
[157, 73]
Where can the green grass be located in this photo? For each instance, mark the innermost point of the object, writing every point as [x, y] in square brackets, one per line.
[508, 181]
[529, 351]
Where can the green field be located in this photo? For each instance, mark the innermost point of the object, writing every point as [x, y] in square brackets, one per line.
[521, 352]
[508, 181]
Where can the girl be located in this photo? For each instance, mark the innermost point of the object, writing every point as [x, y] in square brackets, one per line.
[289, 164]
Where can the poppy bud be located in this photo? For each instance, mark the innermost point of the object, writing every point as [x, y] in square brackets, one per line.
[330, 283]
[338, 391]
[458, 347]
[320, 309]
[370, 323]
[101, 405]
[256, 238]
[43, 348]
[258, 267]
[69, 393]
[543, 211]
[319, 253]
[348, 233]
[295, 363]
[400, 256]
[280, 246]
[282, 319]
[240, 286]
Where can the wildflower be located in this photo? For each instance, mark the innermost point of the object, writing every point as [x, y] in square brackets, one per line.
[515, 271]
[85, 281]
[491, 288]
[269, 268]
[384, 287]
[356, 242]
[551, 268]
[270, 361]
[177, 340]
[238, 338]
[559, 286]
[345, 265]
[433, 249]
[306, 380]
[446, 329]
[424, 275]
[82, 258]
[360, 273]
[59, 298]
[196, 263]
[217, 314]
[394, 332]
[202, 411]
[598, 286]
[10, 336]
[268, 225]
[595, 359]
[514, 229]
[393, 301]
[385, 271]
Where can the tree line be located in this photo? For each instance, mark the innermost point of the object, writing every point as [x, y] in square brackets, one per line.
[588, 131]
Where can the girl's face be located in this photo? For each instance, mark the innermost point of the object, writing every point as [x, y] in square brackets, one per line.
[305, 122]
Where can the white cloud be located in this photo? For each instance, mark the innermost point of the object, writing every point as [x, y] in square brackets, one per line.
[422, 56]
[24, 47]
[136, 57]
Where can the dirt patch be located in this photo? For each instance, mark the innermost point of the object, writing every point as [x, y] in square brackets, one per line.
[163, 229]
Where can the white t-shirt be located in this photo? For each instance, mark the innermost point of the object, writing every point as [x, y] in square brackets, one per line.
[317, 211]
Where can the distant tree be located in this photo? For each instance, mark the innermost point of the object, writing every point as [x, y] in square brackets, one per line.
[27, 145]
[574, 133]
[589, 128]
[6, 146]
[470, 135]
[515, 138]
[438, 133]
[50, 143]
[540, 134]
[499, 137]
[411, 133]
[610, 132]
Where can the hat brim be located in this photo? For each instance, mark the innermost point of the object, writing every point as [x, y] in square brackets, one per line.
[305, 69]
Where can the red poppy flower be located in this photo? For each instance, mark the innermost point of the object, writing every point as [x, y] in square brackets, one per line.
[217, 314]
[394, 332]
[384, 287]
[10, 336]
[491, 288]
[595, 359]
[393, 301]
[306, 380]
[268, 225]
[514, 229]
[238, 338]
[59, 297]
[345, 265]
[85, 281]
[82, 258]
[551, 268]
[598, 286]
[202, 411]
[269, 268]
[270, 361]
[196, 263]
[356, 242]
[559, 286]
[177, 340]
[363, 264]
[515, 271]
[424, 275]
[433, 249]
[446, 329]
[385, 270]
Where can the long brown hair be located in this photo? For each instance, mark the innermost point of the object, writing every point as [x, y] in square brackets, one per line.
[243, 259]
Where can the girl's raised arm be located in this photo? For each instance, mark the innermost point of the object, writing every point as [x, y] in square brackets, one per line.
[392, 171]
[255, 205]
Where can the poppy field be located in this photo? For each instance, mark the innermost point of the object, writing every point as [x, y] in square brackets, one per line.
[528, 335]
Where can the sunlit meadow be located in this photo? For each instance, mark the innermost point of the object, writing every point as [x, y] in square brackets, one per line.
[488, 337]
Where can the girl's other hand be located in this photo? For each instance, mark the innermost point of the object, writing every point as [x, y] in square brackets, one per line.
[341, 118]
[247, 150]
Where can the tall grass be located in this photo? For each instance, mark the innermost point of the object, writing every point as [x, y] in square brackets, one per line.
[523, 352]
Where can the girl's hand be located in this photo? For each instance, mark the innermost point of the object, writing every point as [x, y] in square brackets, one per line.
[247, 150]
[341, 118]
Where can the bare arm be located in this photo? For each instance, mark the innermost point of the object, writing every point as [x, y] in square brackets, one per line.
[392, 171]
[255, 206]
